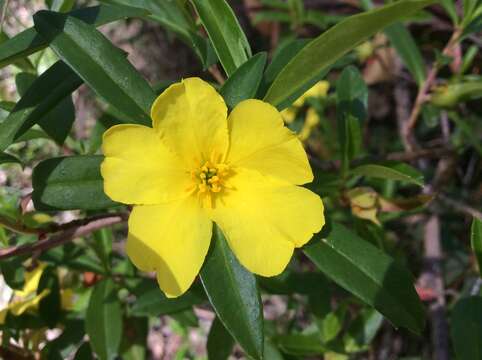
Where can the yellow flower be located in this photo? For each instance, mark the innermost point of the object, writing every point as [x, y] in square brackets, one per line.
[26, 299]
[197, 165]
[320, 89]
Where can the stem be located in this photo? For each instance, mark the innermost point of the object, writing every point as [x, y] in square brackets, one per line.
[66, 233]
[423, 95]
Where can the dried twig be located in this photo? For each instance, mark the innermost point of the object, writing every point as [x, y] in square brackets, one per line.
[64, 234]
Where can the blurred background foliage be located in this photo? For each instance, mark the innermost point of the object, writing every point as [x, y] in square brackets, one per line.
[393, 132]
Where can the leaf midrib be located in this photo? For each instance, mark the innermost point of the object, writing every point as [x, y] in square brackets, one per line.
[77, 46]
[368, 276]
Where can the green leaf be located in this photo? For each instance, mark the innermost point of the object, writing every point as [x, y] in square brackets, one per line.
[476, 241]
[227, 37]
[134, 346]
[29, 41]
[362, 331]
[103, 320]
[13, 272]
[7, 158]
[449, 6]
[220, 342]
[60, 5]
[58, 121]
[369, 274]
[67, 343]
[390, 170]
[68, 183]
[330, 46]
[233, 293]
[102, 246]
[50, 306]
[453, 94]
[244, 83]
[101, 65]
[351, 104]
[84, 352]
[406, 47]
[271, 352]
[281, 57]
[300, 344]
[7, 105]
[45, 93]
[466, 328]
[22, 63]
[173, 16]
[151, 301]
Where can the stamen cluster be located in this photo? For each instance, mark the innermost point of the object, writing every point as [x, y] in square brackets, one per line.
[209, 179]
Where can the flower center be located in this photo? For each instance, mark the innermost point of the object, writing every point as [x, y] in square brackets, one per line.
[209, 180]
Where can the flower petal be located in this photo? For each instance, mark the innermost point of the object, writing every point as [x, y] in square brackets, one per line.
[259, 140]
[191, 118]
[139, 169]
[171, 239]
[264, 219]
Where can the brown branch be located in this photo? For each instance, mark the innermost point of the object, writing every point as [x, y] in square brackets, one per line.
[216, 74]
[423, 95]
[18, 227]
[66, 233]
[459, 206]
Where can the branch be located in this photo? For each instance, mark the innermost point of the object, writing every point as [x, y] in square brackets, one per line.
[423, 95]
[432, 277]
[66, 233]
[459, 206]
[216, 74]
[19, 227]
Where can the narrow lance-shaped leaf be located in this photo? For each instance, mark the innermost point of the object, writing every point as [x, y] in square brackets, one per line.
[172, 15]
[391, 170]
[29, 41]
[50, 306]
[101, 65]
[46, 92]
[22, 63]
[227, 37]
[245, 81]
[476, 241]
[151, 301]
[466, 329]
[368, 273]
[406, 47]
[7, 158]
[330, 46]
[58, 121]
[69, 183]
[351, 104]
[234, 295]
[220, 342]
[103, 320]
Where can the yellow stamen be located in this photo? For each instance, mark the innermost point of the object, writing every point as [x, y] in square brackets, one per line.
[209, 179]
